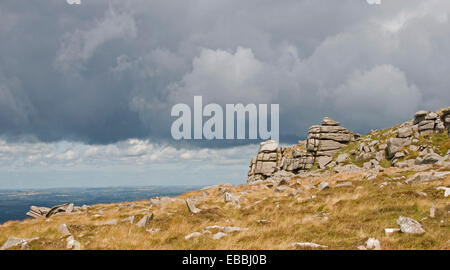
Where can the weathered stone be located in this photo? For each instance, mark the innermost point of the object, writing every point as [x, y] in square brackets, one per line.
[446, 191]
[145, 220]
[421, 177]
[426, 124]
[268, 146]
[429, 158]
[404, 132]
[325, 145]
[341, 158]
[419, 116]
[111, 222]
[63, 230]
[309, 245]
[394, 145]
[192, 235]
[323, 185]
[389, 231]
[408, 225]
[191, 207]
[128, 219]
[373, 244]
[280, 189]
[431, 116]
[265, 168]
[432, 212]
[228, 229]
[219, 235]
[326, 121]
[323, 161]
[228, 197]
[13, 242]
[344, 184]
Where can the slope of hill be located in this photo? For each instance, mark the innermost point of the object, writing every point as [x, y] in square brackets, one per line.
[387, 189]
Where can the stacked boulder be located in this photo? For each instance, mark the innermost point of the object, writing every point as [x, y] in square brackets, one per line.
[322, 144]
[427, 122]
[265, 163]
[445, 117]
[328, 139]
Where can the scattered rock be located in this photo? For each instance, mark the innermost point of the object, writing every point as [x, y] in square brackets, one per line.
[409, 225]
[155, 230]
[219, 235]
[309, 245]
[344, 184]
[15, 241]
[192, 235]
[63, 230]
[128, 219]
[432, 212]
[145, 220]
[426, 176]
[323, 185]
[323, 161]
[263, 221]
[373, 244]
[446, 191]
[111, 222]
[191, 207]
[231, 198]
[389, 231]
[233, 229]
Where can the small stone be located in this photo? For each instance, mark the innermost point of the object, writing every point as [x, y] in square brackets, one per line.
[191, 207]
[323, 185]
[309, 245]
[233, 229]
[192, 235]
[373, 244]
[389, 231]
[219, 235]
[63, 230]
[344, 184]
[15, 241]
[446, 191]
[263, 221]
[145, 220]
[432, 212]
[155, 230]
[326, 121]
[128, 219]
[111, 222]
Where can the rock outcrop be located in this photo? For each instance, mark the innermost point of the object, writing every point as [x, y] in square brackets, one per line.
[45, 212]
[322, 144]
[400, 146]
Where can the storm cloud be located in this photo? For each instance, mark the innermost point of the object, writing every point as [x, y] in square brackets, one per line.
[102, 72]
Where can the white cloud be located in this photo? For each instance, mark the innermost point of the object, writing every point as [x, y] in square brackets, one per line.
[376, 97]
[74, 2]
[374, 2]
[79, 46]
[130, 152]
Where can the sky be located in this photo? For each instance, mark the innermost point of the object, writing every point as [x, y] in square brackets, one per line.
[86, 87]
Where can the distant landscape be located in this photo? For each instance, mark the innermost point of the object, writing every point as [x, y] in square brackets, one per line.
[15, 203]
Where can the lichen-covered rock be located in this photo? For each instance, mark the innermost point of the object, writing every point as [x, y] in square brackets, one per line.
[409, 225]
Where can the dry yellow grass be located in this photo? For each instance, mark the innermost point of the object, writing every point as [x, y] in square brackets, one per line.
[341, 218]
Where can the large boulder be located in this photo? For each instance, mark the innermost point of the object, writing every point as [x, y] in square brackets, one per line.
[409, 225]
[268, 146]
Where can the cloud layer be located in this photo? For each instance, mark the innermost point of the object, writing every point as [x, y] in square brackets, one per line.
[107, 72]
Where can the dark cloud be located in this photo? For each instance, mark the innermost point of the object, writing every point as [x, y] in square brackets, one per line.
[105, 71]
